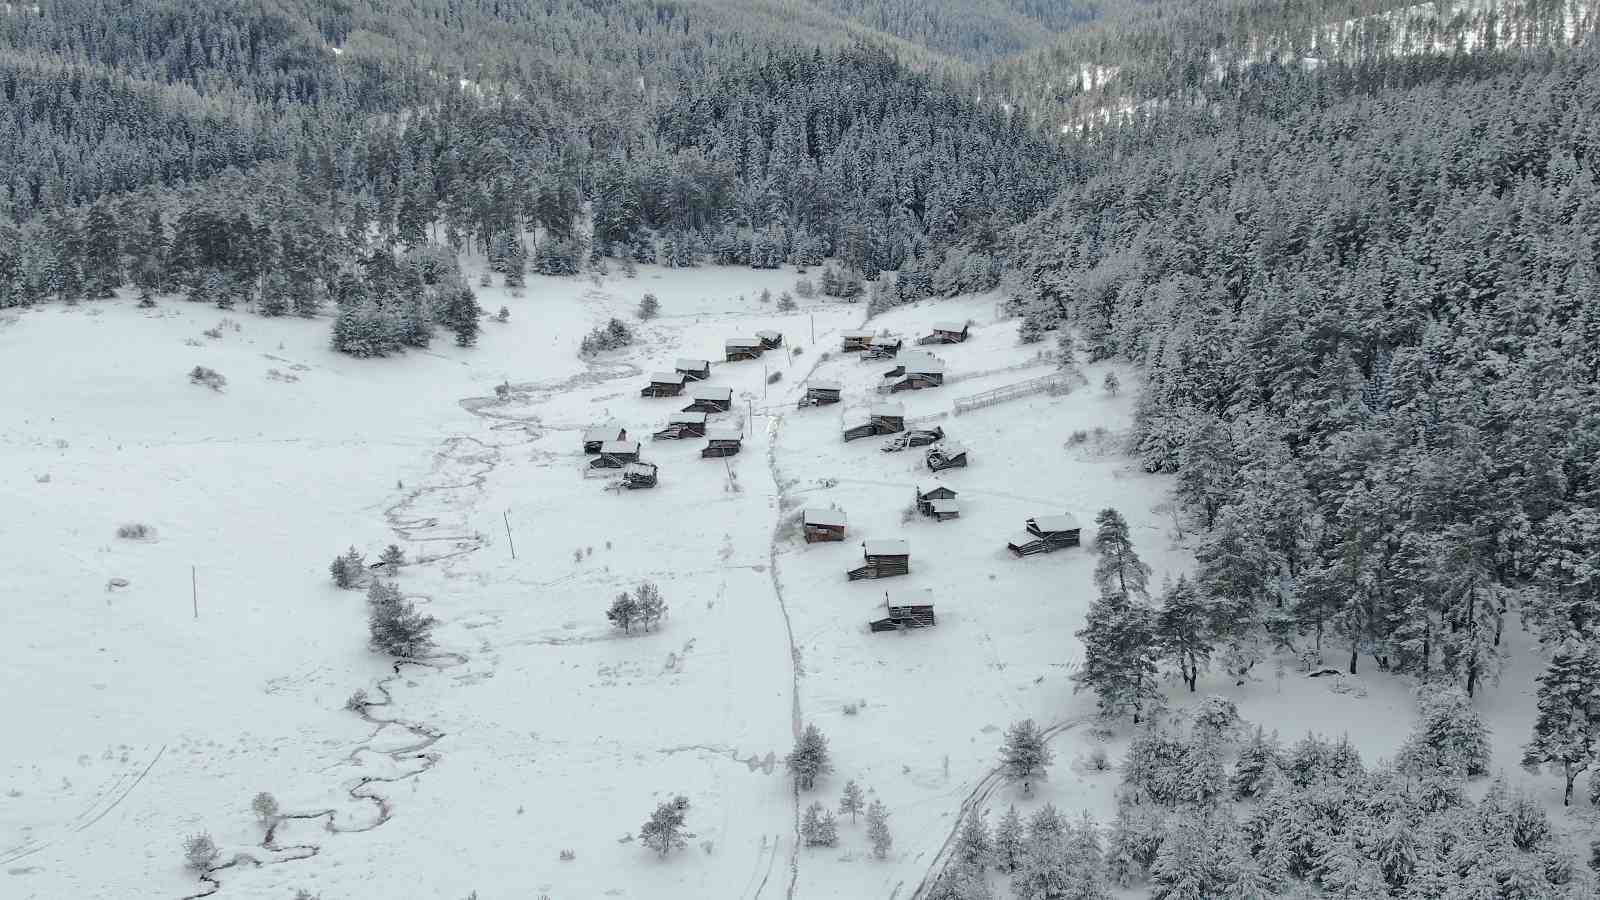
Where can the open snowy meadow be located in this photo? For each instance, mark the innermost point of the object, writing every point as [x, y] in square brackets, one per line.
[155, 683]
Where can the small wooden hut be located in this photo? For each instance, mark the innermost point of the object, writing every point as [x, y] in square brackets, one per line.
[682, 425]
[905, 610]
[882, 418]
[853, 341]
[915, 437]
[885, 347]
[693, 369]
[914, 373]
[926, 499]
[948, 455]
[663, 384]
[599, 434]
[824, 524]
[885, 559]
[710, 399]
[636, 475]
[615, 455]
[724, 440]
[742, 348]
[821, 392]
[770, 340]
[945, 333]
[1046, 534]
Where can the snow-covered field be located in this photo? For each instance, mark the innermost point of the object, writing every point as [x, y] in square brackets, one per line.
[142, 713]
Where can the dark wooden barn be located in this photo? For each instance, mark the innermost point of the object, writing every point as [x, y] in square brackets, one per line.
[742, 348]
[1046, 534]
[636, 475]
[663, 384]
[853, 341]
[770, 340]
[824, 524]
[906, 610]
[615, 455]
[885, 559]
[682, 425]
[913, 373]
[821, 392]
[599, 434]
[926, 499]
[945, 333]
[948, 455]
[693, 369]
[882, 418]
[884, 347]
[710, 399]
[724, 440]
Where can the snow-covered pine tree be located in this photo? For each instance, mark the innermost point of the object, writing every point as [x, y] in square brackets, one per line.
[393, 557]
[1131, 848]
[851, 801]
[974, 845]
[809, 758]
[394, 624]
[1118, 568]
[623, 612]
[1181, 630]
[1566, 732]
[1259, 765]
[652, 606]
[348, 568]
[1449, 736]
[460, 315]
[1119, 655]
[663, 831]
[878, 829]
[1024, 754]
[1008, 840]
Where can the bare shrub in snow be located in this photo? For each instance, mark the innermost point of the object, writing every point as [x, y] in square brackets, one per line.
[663, 831]
[200, 851]
[135, 531]
[1077, 437]
[568, 855]
[577, 555]
[211, 378]
[213, 333]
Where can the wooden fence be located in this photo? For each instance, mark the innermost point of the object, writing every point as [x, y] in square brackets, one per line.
[1058, 383]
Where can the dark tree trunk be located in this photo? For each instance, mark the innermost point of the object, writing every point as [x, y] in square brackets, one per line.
[1354, 655]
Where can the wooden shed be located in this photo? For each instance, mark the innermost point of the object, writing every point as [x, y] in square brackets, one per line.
[636, 475]
[885, 559]
[914, 373]
[743, 348]
[821, 392]
[709, 399]
[824, 524]
[852, 341]
[724, 440]
[926, 499]
[770, 340]
[948, 455]
[682, 425]
[599, 434]
[693, 369]
[905, 610]
[663, 384]
[1045, 534]
[884, 347]
[882, 418]
[615, 455]
[945, 333]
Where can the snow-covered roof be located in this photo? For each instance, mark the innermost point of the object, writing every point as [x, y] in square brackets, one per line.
[769, 334]
[909, 597]
[925, 367]
[830, 517]
[888, 548]
[712, 392]
[1062, 522]
[824, 384]
[886, 409]
[601, 433]
[951, 448]
[620, 447]
[666, 378]
[949, 326]
[886, 340]
[687, 418]
[691, 364]
[725, 433]
[639, 468]
[1023, 539]
[855, 334]
[743, 342]
[944, 506]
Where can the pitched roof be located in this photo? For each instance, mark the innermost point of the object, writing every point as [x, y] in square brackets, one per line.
[725, 433]
[601, 433]
[819, 516]
[666, 378]
[949, 326]
[888, 547]
[887, 339]
[769, 334]
[1023, 539]
[944, 506]
[1062, 522]
[909, 597]
[712, 392]
[742, 342]
[886, 409]
[925, 367]
[855, 334]
[950, 448]
[824, 384]
[620, 447]
[687, 418]
[639, 468]
[692, 364]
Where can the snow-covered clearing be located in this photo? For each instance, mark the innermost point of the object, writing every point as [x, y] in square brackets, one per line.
[539, 729]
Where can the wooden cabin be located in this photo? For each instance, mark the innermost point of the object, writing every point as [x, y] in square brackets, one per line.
[945, 333]
[824, 524]
[821, 392]
[948, 455]
[1046, 534]
[682, 425]
[882, 418]
[926, 499]
[615, 455]
[853, 341]
[885, 559]
[770, 340]
[664, 384]
[742, 348]
[916, 437]
[944, 510]
[913, 373]
[709, 399]
[884, 347]
[599, 434]
[725, 440]
[906, 610]
[636, 475]
[693, 369]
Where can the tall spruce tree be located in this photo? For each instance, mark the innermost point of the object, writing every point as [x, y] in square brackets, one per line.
[1566, 732]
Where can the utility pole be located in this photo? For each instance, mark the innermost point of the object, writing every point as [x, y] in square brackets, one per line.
[194, 590]
[509, 539]
[813, 330]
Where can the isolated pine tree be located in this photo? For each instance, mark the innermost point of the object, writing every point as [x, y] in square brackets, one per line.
[649, 307]
[624, 612]
[1566, 732]
[878, 829]
[650, 605]
[394, 625]
[1024, 755]
[1119, 655]
[809, 758]
[1181, 632]
[818, 827]
[347, 569]
[393, 557]
[663, 831]
[851, 801]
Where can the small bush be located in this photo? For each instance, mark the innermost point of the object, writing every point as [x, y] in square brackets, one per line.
[774, 377]
[568, 856]
[766, 296]
[135, 531]
[1112, 384]
[614, 336]
[1098, 761]
[504, 315]
[211, 378]
[649, 307]
[485, 280]
[1077, 437]
[796, 351]
[265, 806]
[200, 851]
[357, 701]
[786, 302]
[805, 289]
[823, 356]
[502, 390]
[213, 333]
